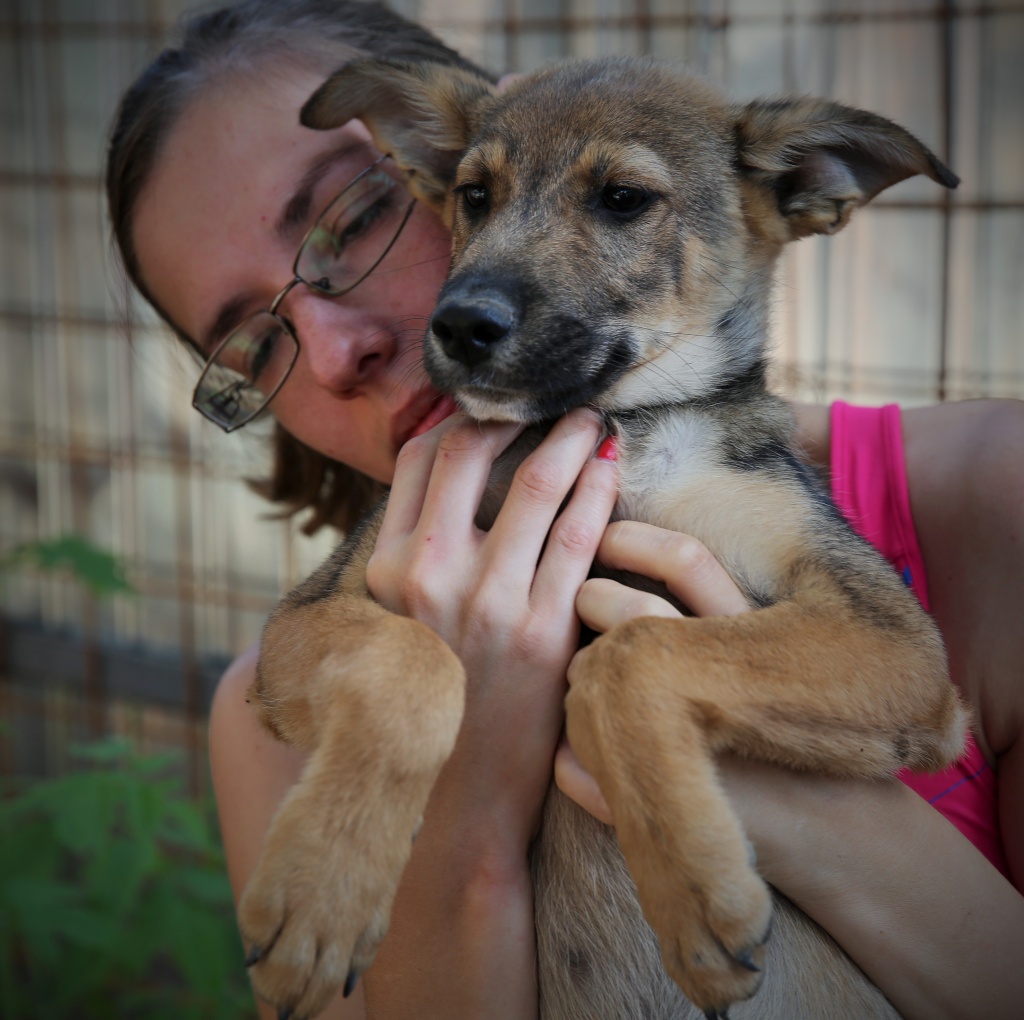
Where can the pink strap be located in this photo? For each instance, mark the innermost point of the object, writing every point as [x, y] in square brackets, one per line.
[869, 485]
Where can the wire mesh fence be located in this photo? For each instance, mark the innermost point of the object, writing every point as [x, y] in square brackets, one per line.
[919, 300]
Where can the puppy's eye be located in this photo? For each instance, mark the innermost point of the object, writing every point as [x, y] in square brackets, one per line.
[475, 196]
[624, 200]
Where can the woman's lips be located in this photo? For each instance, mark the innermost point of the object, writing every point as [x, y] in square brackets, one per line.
[440, 409]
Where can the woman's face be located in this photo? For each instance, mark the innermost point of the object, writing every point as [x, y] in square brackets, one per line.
[217, 227]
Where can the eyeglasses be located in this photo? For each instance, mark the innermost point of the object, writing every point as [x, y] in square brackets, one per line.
[347, 242]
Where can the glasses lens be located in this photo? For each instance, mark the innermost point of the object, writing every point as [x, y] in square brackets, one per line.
[353, 233]
[245, 371]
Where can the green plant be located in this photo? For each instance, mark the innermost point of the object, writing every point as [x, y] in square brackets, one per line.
[113, 897]
[99, 571]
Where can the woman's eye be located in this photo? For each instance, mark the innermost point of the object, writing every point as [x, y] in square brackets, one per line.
[351, 228]
[260, 353]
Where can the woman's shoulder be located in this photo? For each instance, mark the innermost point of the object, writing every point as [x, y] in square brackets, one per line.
[249, 767]
[239, 675]
[967, 492]
[978, 444]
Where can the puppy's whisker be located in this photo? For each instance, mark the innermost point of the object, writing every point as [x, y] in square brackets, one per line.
[381, 271]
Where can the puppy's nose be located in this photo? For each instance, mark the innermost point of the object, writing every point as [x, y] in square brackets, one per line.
[469, 327]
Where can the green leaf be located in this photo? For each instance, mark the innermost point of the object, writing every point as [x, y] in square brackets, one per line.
[190, 827]
[114, 900]
[151, 765]
[206, 953]
[39, 904]
[37, 909]
[152, 936]
[84, 819]
[108, 751]
[205, 885]
[81, 978]
[10, 992]
[114, 878]
[100, 572]
[145, 806]
[89, 929]
[27, 848]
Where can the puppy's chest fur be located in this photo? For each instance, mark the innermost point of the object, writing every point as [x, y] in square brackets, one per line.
[701, 469]
[721, 470]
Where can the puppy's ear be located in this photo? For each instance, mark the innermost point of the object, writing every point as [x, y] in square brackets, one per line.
[423, 115]
[820, 160]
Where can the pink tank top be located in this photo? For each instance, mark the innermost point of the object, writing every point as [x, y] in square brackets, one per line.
[869, 485]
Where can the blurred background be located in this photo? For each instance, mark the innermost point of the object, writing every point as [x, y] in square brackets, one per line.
[919, 300]
[135, 562]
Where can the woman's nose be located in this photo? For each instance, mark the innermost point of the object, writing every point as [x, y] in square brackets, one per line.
[344, 345]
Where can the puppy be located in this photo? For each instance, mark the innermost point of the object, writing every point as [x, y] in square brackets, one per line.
[615, 227]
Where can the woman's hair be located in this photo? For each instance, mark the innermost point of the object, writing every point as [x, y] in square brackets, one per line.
[234, 40]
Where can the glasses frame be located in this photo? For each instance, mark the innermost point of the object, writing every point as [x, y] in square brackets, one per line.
[200, 404]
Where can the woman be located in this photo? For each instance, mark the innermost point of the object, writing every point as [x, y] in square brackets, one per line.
[213, 187]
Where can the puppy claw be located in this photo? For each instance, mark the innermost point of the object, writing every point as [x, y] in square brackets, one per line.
[716, 1014]
[746, 960]
[350, 983]
[284, 1013]
[255, 954]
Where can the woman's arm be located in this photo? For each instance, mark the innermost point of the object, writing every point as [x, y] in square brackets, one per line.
[908, 897]
[965, 467]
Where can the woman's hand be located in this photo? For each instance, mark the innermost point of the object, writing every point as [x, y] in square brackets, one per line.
[687, 569]
[503, 599]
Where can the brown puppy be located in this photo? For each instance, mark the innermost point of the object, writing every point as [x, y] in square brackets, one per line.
[615, 227]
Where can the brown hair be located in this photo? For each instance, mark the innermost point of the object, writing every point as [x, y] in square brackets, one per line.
[323, 33]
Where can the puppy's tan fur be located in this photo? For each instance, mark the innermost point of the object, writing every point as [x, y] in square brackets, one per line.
[615, 226]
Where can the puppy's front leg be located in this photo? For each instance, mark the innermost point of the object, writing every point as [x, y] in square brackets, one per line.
[377, 699]
[808, 684]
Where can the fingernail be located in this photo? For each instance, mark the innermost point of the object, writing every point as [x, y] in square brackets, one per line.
[609, 449]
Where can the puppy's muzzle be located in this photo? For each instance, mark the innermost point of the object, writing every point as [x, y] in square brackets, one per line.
[470, 327]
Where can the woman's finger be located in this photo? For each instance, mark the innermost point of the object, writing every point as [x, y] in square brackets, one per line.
[575, 536]
[603, 603]
[441, 475]
[538, 490]
[578, 784]
[681, 562]
[409, 484]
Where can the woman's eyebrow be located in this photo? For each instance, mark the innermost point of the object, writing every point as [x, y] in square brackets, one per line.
[295, 214]
[228, 316]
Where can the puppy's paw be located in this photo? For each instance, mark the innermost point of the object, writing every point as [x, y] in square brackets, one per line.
[712, 927]
[317, 906]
